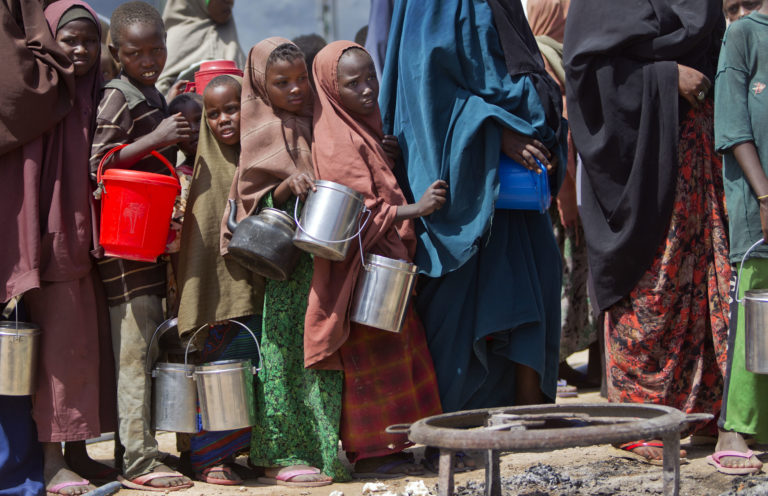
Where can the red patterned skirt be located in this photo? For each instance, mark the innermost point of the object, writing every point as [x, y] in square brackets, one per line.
[389, 379]
[666, 342]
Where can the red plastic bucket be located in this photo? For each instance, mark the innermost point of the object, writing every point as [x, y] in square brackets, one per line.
[211, 69]
[136, 209]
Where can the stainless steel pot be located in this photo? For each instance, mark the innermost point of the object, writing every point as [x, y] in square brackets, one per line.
[225, 391]
[382, 292]
[329, 219]
[174, 395]
[263, 243]
[19, 342]
[755, 303]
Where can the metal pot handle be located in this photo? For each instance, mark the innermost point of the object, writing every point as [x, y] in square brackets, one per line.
[398, 429]
[164, 327]
[298, 224]
[741, 266]
[254, 370]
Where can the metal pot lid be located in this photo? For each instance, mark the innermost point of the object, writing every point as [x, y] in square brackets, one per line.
[223, 366]
[12, 328]
[390, 263]
[756, 295]
[340, 188]
[174, 367]
[276, 215]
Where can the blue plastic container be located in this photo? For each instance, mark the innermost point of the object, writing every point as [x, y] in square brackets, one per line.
[521, 188]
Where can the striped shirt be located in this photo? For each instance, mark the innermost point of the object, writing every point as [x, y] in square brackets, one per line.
[125, 115]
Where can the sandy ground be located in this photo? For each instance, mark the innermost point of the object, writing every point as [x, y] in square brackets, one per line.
[596, 470]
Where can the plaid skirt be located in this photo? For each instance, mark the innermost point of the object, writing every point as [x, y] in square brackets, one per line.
[389, 379]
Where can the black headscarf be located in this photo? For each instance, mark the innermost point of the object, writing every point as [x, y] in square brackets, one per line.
[522, 56]
[621, 61]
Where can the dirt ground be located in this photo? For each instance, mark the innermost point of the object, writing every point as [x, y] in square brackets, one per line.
[595, 470]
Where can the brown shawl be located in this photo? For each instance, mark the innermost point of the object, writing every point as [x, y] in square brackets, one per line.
[213, 288]
[547, 18]
[347, 150]
[38, 89]
[274, 143]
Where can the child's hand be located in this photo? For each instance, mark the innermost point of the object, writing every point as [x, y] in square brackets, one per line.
[301, 183]
[433, 198]
[391, 146]
[176, 90]
[172, 130]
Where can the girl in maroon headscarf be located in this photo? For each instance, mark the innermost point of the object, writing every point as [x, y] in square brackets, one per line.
[388, 378]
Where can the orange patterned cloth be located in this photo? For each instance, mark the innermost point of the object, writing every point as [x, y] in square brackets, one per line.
[666, 342]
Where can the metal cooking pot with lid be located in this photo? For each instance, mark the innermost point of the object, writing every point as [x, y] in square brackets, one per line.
[19, 342]
[263, 243]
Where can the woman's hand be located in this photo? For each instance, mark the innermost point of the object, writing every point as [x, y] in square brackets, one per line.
[692, 85]
[176, 90]
[391, 147]
[525, 150]
[433, 198]
[301, 183]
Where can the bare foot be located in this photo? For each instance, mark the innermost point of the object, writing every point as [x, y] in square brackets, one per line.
[56, 472]
[273, 472]
[733, 441]
[76, 457]
[167, 481]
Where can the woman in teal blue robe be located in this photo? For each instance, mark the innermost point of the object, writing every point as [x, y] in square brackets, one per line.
[454, 80]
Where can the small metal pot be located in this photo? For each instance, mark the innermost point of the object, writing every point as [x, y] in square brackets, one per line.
[328, 220]
[225, 390]
[382, 292]
[263, 243]
[19, 342]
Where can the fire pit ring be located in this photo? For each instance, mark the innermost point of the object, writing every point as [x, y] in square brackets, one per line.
[521, 428]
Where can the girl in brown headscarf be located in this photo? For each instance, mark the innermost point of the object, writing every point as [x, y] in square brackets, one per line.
[276, 167]
[388, 378]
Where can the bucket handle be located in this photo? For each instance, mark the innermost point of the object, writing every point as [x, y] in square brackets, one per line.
[13, 306]
[254, 370]
[741, 266]
[360, 228]
[164, 327]
[114, 150]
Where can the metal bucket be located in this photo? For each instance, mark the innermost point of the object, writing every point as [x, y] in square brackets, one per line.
[755, 303]
[382, 292]
[225, 391]
[18, 357]
[328, 220]
[174, 395]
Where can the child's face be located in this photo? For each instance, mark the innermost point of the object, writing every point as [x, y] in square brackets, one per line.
[736, 9]
[220, 11]
[288, 85]
[193, 113]
[222, 111]
[109, 69]
[142, 52]
[358, 86]
[80, 41]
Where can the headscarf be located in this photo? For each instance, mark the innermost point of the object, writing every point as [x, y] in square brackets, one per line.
[193, 37]
[274, 143]
[38, 83]
[547, 18]
[212, 288]
[623, 106]
[447, 99]
[347, 149]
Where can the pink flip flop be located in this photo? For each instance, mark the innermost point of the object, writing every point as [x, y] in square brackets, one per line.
[55, 490]
[714, 460]
[284, 478]
[204, 476]
[140, 482]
